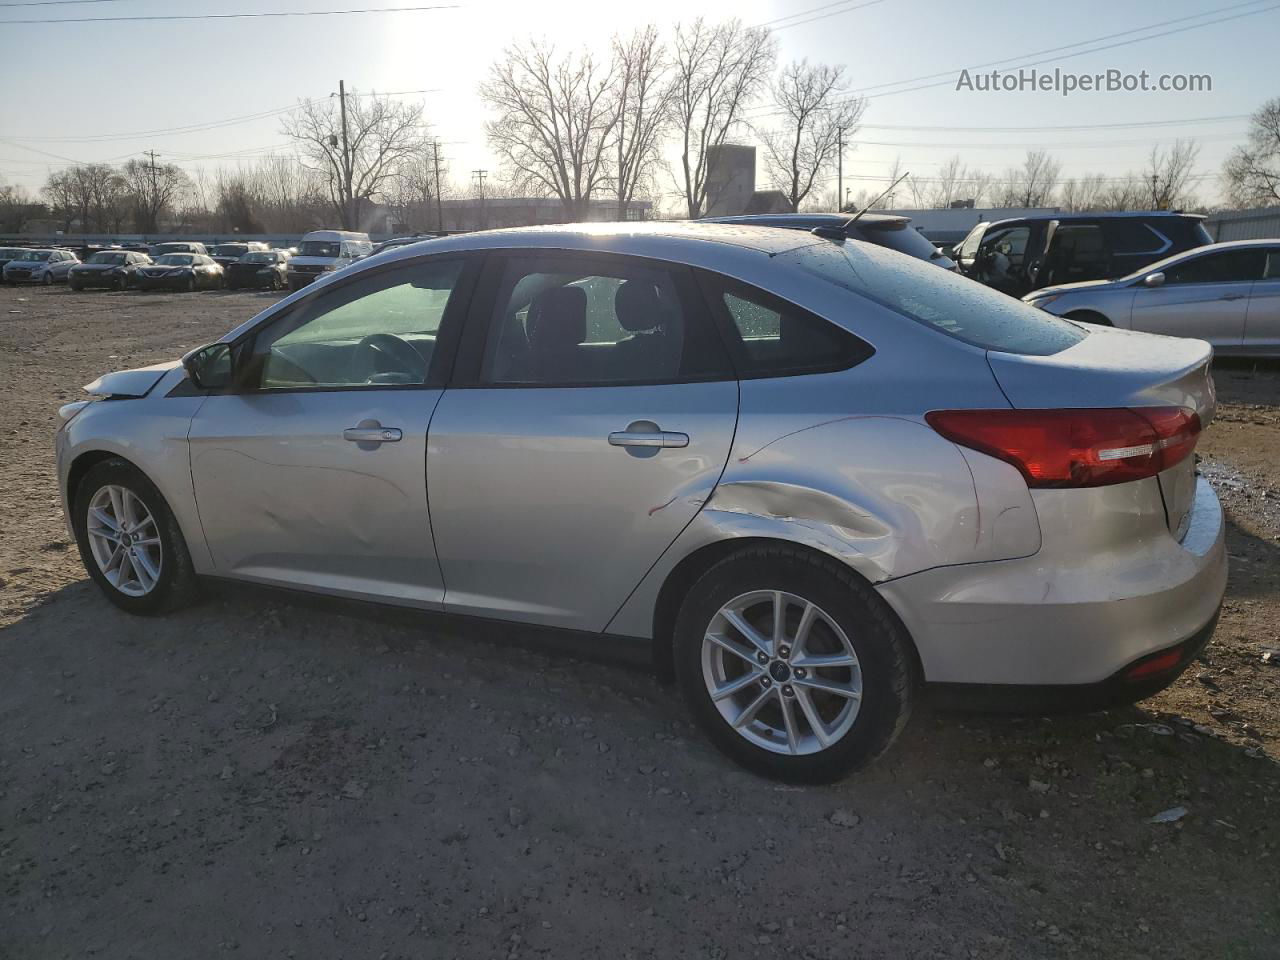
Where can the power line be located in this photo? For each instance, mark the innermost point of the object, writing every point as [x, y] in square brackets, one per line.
[238, 16]
[52, 3]
[821, 16]
[863, 92]
[211, 124]
[1057, 128]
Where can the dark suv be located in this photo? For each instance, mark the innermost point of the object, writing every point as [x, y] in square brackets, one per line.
[1027, 253]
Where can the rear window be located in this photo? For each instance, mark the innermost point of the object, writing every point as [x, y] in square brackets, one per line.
[903, 239]
[949, 303]
[230, 250]
[114, 258]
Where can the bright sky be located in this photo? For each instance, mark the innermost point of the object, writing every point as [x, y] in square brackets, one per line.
[70, 86]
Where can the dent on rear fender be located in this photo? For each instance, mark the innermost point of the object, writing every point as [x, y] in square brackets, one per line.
[888, 492]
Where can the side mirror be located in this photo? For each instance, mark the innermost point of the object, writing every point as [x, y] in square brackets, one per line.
[210, 367]
[1153, 279]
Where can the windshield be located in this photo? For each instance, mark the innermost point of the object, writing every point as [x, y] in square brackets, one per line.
[112, 258]
[946, 301]
[319, 248]
[230, 250]
[163, 248]
[176, 260]
[33, 255]
[259, 258]
[9, 254]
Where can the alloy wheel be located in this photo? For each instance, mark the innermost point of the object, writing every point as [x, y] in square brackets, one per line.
[125, 540]
[781, 672]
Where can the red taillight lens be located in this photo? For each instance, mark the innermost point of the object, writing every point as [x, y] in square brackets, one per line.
[1076, 448]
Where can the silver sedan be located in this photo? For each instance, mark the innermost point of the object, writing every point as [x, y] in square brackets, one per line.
[811, 476]
[1226, 293]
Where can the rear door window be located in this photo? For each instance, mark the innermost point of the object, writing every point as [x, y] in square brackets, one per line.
[1229, 266]
[773, 338]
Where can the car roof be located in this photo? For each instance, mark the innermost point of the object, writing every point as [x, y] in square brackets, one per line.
[803, 221]
[1109, 215]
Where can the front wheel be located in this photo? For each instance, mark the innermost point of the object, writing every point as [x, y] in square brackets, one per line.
[129, 541]
[190, 285]
[120, 284]
[47, 279]
[793, 665]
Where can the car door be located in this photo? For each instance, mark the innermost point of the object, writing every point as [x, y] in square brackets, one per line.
[591, 416]
[311, 472]
[1205, 296]
[1262, 319]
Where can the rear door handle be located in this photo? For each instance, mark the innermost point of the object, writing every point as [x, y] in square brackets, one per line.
[372, 434]
[659, 438]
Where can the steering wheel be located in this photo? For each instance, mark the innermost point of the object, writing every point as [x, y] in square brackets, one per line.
[400, 357]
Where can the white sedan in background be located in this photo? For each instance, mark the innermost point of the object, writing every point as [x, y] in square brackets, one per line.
[1226, 293]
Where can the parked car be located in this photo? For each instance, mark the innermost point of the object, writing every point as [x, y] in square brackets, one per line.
[884, 230]
[326, 251]
[159, 250]
[400, 242]
[809, 476]
[1226, 293]
[7, 254]
[225, 254]
[261, 268]
[181, 271]
[116, 269]
[46, 266]
[1024, 254]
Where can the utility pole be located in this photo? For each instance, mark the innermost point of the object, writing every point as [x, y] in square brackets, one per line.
[435, 156]
[1155, 195]
[152, 211]
[479, 175]
[840, 168]
[347, 199]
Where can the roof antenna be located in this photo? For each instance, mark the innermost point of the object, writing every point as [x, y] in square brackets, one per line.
[858, 216]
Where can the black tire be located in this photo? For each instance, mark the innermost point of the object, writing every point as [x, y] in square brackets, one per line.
[879, 640]
[47, 280]
[1090, 316]
[74, 286]
[190, 285]
[177, 585]
[274, 283]
[120, 284]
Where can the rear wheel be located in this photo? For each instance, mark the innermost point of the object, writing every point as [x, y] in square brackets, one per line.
[129, 541]
[792, 665]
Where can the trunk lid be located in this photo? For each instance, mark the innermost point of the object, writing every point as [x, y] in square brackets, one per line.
[1121, 368]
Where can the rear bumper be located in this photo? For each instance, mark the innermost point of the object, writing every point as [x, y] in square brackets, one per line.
[1053, 622]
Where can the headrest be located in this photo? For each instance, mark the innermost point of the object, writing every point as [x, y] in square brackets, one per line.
[557, 318]
[638, 306]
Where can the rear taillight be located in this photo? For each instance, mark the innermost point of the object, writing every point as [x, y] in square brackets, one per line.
[1076, 448]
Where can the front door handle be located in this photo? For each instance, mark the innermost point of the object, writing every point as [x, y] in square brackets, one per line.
[1233, 296]
[656, 438]
[367, 432]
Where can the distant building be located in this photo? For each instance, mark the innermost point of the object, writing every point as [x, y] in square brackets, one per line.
[1259, 223]
[731, 179]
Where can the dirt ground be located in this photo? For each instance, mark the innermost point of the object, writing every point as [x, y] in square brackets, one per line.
[264, 776]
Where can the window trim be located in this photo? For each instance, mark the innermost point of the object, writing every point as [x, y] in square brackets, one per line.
[442, 357]
[714, 285]
[469, 361]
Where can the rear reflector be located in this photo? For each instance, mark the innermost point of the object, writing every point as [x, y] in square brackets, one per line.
[1076, 448]
[1157, 664]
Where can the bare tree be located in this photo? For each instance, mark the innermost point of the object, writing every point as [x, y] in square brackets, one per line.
[1083, 193]
[719, 71]
[411, 191]
[110, 201]
[642, 102]
[1252, 172]
[815, 117]
[1168, 174]
[1032, 184]
[554, 122]
[293, 196]
[154, 187]
[17, 207]
[356, 162]
[60, 191]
